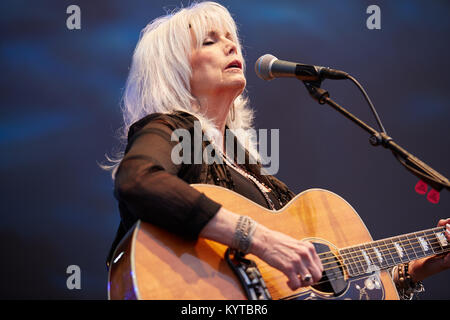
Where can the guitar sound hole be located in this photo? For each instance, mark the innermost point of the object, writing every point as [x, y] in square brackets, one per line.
[332, 281]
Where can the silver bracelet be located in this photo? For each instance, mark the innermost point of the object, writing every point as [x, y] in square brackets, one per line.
[243, 235]
[408, 294]
[406, 288]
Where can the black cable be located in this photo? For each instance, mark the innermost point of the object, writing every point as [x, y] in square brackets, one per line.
[369, 102]
[419, 172]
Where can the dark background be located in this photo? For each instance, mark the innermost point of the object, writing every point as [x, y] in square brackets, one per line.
[59, 116]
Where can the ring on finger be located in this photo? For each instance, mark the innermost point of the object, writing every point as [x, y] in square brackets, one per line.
[307, 277]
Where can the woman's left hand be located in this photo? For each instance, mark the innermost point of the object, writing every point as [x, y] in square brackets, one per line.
[423, 268]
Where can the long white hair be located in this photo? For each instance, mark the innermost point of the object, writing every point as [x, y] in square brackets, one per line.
[159, 77]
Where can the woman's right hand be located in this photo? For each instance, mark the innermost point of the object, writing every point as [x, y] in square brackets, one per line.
[297, 259]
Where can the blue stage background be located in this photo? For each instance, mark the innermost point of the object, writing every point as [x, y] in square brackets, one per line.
[59, 116]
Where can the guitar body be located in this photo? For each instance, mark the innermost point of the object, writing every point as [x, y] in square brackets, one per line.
[151, 263]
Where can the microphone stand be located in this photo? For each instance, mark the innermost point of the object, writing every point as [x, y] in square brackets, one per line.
[417, 167]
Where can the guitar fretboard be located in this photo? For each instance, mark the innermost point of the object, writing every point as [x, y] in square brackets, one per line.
[383, 254]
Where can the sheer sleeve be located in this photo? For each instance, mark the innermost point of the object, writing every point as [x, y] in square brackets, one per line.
[148, 188]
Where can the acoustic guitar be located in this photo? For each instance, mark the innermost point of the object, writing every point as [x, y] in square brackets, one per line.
[151, 263]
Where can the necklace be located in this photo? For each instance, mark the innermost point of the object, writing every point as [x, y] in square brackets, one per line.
[261, 186]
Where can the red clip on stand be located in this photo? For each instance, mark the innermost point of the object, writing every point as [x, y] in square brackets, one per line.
[433, 196]
[422, 188]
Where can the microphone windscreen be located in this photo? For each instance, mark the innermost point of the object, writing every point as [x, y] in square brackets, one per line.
[263, 65]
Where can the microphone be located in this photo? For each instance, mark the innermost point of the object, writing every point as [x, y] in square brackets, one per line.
[268, 67]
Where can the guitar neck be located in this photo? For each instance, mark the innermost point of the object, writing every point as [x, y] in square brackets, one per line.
[386, 253]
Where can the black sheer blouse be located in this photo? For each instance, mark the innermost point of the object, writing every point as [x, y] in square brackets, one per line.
[151, 188]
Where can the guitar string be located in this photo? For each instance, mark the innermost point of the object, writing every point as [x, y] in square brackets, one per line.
[358, 271]
[384, 253]
[432, 240]
[341, 274]
[372, 257]
[405, 235]
[340, 267]
[389, 250]
[347, 265]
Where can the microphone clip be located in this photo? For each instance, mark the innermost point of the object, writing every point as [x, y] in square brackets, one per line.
[314, 89]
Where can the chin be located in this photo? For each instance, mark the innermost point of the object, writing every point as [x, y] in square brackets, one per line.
[236, 85]
[240, 83]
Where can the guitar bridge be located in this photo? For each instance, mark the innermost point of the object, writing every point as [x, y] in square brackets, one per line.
[247, 271]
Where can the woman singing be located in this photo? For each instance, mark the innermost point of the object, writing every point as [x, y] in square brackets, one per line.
[188, 70]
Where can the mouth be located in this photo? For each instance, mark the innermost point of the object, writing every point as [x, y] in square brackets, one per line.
[234, 64]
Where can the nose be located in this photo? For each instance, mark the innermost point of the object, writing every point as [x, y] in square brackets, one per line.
[230, 47]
